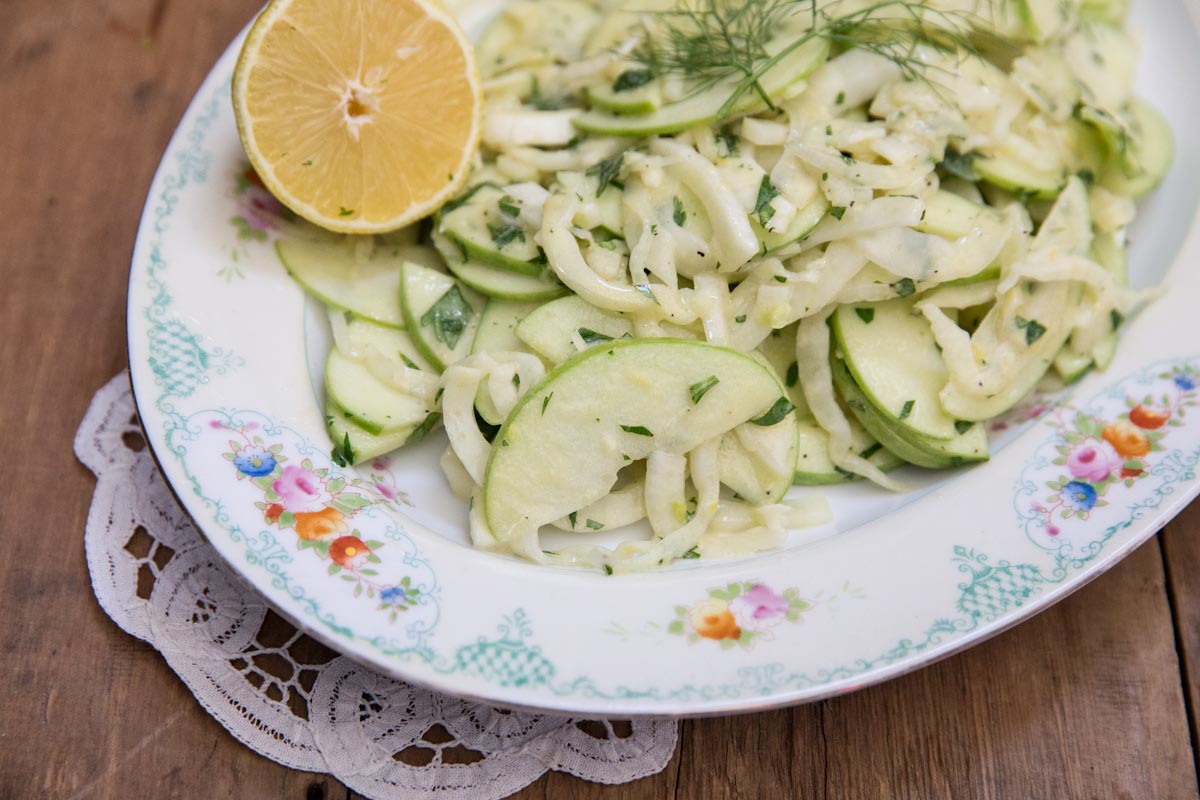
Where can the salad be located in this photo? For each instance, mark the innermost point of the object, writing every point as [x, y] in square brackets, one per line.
[711, 250]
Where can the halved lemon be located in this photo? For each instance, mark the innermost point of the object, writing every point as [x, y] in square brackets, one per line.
[362, 116]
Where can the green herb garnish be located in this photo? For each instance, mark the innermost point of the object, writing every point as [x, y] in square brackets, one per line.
[763, 210]
[960, 165]
[506, 233]
[775, 413]
[591, 337]
[632, 79]
[867, 315]
[904, 287]
[508, 206]
[1034, 330]
[680, 213]
[344, 454]
[449, 317]
[637, 430]
[594, 525]
[907, 409]
[421, 431]
[698, 390]
[606, 171]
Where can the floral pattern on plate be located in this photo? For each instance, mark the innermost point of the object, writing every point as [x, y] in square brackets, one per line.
[1068, 496]
[322, 508]
[738, 614]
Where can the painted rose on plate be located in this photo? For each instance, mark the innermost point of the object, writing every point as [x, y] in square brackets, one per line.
[738, 614]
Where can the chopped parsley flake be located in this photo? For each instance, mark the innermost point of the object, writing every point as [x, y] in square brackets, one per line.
[867, 315]
[693, 553]
[594, 525]
[344, 454]
[546, 402]
[907, 410]
[637, 430]
[345, 212]
[508, 205]
[421, 431]
[960, 165]
[506, 233]
[591, 337]
[962, 426]
[1034, 330]
[698, 390]
[775, 413]
[572, 517]
[837, 212]
[740, 318]
[793, 374]
[408, 362]
[449, 317]
[763, 210]
[904, 287]
[632, 79]
[606, 171]
[680, 213]
[607, 569]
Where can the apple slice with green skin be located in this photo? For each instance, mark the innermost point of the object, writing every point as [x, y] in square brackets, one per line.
[330, 271]
[814, 467]
[967, 447]
[354, 446]
[442, 316]
[890, 350]
[484, 223]
[367, 401]
[563, 445]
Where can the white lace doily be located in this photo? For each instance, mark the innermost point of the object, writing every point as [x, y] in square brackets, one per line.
[288, 697]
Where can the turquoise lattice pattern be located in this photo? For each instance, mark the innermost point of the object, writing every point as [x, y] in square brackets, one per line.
[179, 363]
[507, 661]
[994, 590]
[177, 358]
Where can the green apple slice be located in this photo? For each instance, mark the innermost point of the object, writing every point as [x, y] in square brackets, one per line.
[891, 352]
[330, 270]
[367, 401]
[356, 446]
[814, 467]
[562, 447]
[967, 447]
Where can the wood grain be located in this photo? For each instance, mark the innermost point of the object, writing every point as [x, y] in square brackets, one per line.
[1181, 554]
[1085, 701]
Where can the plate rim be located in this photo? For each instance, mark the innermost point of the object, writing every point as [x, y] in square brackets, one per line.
[565, 705]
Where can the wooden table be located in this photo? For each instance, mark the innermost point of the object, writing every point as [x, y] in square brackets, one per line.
[1095, 698]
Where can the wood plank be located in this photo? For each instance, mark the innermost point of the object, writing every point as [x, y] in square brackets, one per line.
[775, 754]
[1181, 554]
[1082, 701]
[92, 91]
